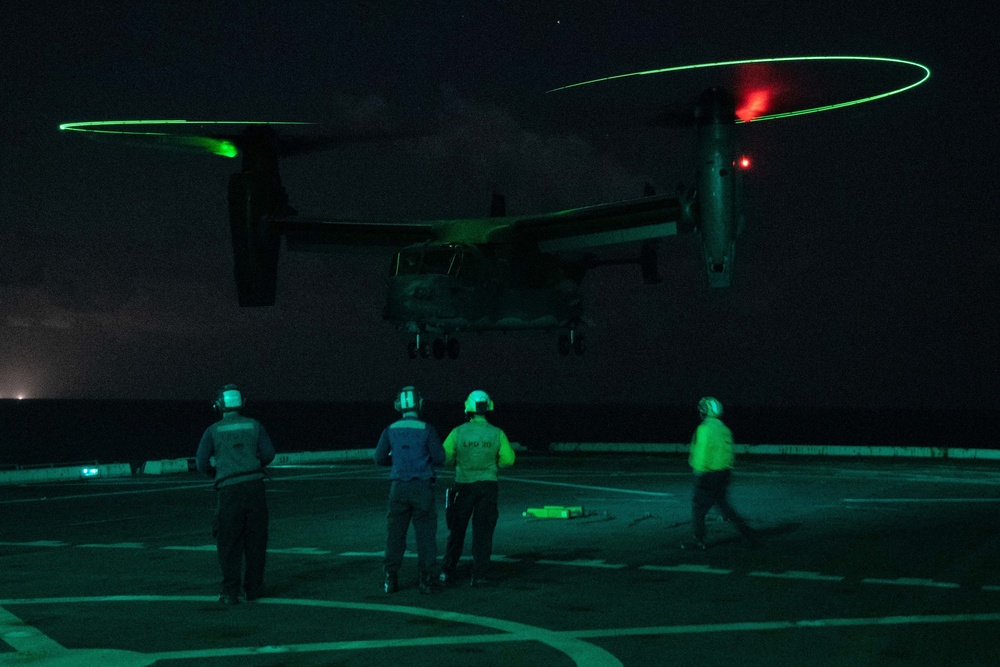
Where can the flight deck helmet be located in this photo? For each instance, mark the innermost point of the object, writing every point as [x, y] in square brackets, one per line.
[228, 399]
[409, 400]
[709, 407]
[478, 402]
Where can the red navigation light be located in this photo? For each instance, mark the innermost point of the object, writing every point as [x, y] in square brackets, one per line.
[743, 162]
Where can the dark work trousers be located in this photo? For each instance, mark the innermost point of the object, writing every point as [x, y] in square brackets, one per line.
[412, 500]
[241, 536]
[478, 501]
[711, 488]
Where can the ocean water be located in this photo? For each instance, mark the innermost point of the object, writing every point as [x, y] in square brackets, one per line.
[70, 431]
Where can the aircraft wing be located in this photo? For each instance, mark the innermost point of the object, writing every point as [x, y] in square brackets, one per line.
[584, 229]
[317, 234]
[590, 228]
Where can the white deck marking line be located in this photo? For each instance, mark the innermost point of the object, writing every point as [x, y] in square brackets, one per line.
[77, 496]
[909, 581]
[343, 475]
[363, 554]
[593, 634]
[603, 474]
[121, 518]
[496, 558]
[920, 500]
[797, 574]
[580, 652]
[33, 647]
[582, 563]
[206, 485]
[113, 545]
[568, 642]
[587, 486]
[24, 638]
[500, 558]
[698, 569]
[757, 626]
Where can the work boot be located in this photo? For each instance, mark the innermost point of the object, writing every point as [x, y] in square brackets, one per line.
[391, 582]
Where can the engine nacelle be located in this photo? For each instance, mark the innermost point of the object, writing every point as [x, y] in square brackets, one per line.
[717, 186]
[256, 196]
[255, 246]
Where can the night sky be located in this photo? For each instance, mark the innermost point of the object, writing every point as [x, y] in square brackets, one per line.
[867, 276]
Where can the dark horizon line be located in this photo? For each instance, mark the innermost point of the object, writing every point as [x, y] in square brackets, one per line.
[648, 404]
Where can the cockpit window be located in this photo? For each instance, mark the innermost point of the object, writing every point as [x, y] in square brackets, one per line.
[466, 263]
[407, 262]
[473, 267]
[441, 260]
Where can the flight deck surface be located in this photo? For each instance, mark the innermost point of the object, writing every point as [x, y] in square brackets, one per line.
[862, 562]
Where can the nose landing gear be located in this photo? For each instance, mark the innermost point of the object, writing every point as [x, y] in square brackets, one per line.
[439, 348]
[416, 349]
[571, 342]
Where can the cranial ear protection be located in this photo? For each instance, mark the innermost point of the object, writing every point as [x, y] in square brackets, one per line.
[479, 402]
[229, 398]
[409, 400]
[710, 407]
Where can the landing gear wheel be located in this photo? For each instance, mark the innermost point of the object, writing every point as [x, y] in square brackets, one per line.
[411, 349]
[453, 348]
[578, 344]
[564, 345]
[439, 348]
[424, 350]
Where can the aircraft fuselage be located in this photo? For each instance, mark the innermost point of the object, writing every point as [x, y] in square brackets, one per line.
[443, 288]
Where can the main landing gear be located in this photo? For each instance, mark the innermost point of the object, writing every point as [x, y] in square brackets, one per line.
[571, 341]
[439, 348]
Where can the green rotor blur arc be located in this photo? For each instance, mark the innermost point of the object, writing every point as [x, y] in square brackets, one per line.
[221, 147]
[925, 74]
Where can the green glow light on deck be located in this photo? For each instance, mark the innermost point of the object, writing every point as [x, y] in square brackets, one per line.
[213, 145]
[924, 74]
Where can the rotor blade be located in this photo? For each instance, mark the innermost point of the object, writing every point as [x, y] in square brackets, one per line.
[230, 144]
[763, 88]
[173, 142]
